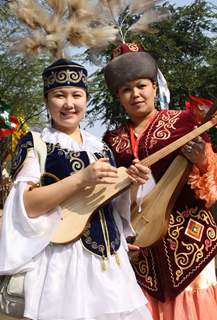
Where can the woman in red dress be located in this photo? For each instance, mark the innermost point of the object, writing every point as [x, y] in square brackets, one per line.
[177, 275]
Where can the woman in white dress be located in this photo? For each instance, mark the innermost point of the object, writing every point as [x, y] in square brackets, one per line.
[91, 278]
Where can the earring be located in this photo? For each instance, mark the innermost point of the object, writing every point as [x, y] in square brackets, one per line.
[49, 119]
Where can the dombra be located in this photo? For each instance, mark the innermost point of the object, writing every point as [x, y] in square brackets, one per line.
[77, 210]
[151, 220]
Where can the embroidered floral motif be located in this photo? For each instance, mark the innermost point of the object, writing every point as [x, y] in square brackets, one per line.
[64, 77]
[121, 143]
[188, 255]
[145, 271]
[73, 157]
[164, 126]
[208, 244]
[185, 213]
[211, 233]
[88, 240]
[51, 147]
[172, 244]
[100, 243]
[76, 163]
[133, 46]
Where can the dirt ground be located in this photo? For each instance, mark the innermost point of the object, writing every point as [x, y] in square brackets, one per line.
[3, 317]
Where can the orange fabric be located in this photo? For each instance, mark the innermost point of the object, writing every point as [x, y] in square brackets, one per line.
[197, 302]
[205, 184]
[200, 304]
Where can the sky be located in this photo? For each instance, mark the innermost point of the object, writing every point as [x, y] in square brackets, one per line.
[98, 129]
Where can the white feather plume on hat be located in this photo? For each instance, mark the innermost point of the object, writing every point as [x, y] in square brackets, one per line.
[54, 24]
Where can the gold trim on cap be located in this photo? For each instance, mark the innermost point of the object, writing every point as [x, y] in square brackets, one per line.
[64, 76]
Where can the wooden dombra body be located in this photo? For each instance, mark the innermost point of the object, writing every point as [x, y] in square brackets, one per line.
[151, 223]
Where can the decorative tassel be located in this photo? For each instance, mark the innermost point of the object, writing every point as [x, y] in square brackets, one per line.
[117, 258]
[103, 263]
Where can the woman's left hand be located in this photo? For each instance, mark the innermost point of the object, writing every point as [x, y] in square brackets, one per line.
[138, 173]
[195, 152]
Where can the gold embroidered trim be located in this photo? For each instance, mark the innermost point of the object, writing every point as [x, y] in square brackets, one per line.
[164, 126]
[73, 157]
[142, 268]
[121, 143]
[64, 76]
[192, 252]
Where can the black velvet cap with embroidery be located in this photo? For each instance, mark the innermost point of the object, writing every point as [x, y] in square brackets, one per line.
[129, 62]
[64, 73]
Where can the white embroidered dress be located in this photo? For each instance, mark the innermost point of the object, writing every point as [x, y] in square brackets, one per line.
[66, 282]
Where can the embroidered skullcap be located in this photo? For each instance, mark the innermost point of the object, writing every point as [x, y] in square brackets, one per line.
[64, 73]
[129, 62]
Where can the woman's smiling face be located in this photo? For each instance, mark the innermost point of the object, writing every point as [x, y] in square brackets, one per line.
[67, 107]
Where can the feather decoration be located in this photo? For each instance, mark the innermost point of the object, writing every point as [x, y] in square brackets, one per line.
[30, 13]
[139, 6]
[144, 22]
[90, 23]
[35, 44]
[83, 35]
[58, 6]
[143, 13]
[114, 8]
[81, 9]
[116, 12]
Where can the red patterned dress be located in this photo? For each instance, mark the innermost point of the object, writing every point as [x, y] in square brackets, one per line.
[173, 273]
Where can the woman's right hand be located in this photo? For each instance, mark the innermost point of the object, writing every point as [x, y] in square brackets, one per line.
[38, 201]
[133, 252]
[99, 172]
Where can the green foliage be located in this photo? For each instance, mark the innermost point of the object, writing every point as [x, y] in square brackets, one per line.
[108, 107]
[20, 80]
[185, 49]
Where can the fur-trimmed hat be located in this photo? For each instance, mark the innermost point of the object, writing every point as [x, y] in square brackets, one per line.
[64, 73]
[129, 62]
